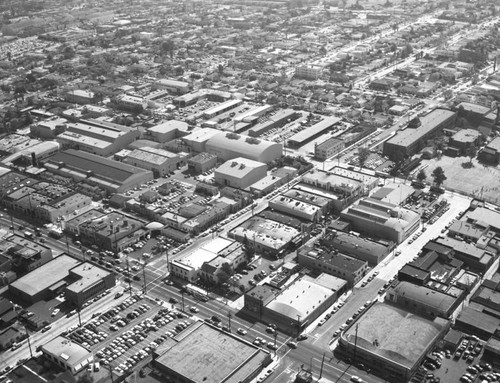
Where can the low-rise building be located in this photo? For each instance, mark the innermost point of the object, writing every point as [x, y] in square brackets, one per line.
[296, 208]
[296, 304]
[168, 130]
[491, 152]
[173, 86]
[240, 173]
[328, 148]
[382, 219]
[22, 255]
[68, 355]
[334, 263]
[161, 162]
[202, 162]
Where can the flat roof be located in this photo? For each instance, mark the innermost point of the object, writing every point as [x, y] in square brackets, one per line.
[311, 131]
[196, 259]
[220, 107]
[239, 167]
[151, 156]
[294, 204]
[428, 123]
[267, 232]
[76, 159]
[71, 352]
[168, 126]
[209, 355]
[300, 298]
[46, 275]
[394, 334]
[485, 217]
[89, 275]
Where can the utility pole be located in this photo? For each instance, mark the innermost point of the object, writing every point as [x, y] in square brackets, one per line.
[144, 277]
[128, 276]
[229, 316]
[182, 299]
[29, 343]
[355, 344]
[110, 373]
[275, 347]
[322, 363]
[79, 317]
[298, 324]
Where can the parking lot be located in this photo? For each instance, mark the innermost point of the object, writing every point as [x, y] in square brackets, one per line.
[128, 333]
[462, 364]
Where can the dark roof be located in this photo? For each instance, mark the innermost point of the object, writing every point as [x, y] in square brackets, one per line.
[5, 305]
[413, 272]
[479, 320]
[101, 166]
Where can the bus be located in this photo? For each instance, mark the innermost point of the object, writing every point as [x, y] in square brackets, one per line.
[55, 233]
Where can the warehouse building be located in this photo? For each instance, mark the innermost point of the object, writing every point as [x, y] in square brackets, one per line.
[227, 146]
[295, 305]
[111, 176]
[334, 263]
[382, 219]
[161, 162]
[209, 355]
[409, 141]
[328, 148]
[202, 162]
[168, 130]
[390, 341]
[240, 173]
[296, 208]
[312, 132]
[173, 86]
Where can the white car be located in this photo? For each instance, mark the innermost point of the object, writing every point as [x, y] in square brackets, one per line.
[193, 309]
[241, 331]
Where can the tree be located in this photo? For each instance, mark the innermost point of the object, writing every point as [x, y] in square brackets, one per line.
[220, 68]
[439, 176]
[363, 154]
[471, 152]
[421, 176]
[86, 378]
[168, 46]
[414, 123]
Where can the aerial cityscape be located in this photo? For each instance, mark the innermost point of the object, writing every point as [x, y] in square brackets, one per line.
[249, 191]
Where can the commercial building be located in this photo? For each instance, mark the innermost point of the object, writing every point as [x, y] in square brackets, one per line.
[161, 162]
[484, 218]
[328, 148]
[206, 261]
[358, 247]
[22, 255]
[491, 152]
[97, 138]
[114, 231]
[240, 173]
[264, 235]
[295, 305]
[39, 283]
[173, 86]
[310, 72]
[275, 119]
[390, 341]
[80, 96]
[69, 356]
[311, 132]
[168, 130]
[409, 141]
[221, 108]
[111, 176]
[49, 129]
[202, 162]
[477, 259]
[382, 219]
[227, 146]
[197, 140]
[86, 281]
[464, 139]
[296, 208]
[210, 355]
[334, 263]
[62, 207]
[422, 300]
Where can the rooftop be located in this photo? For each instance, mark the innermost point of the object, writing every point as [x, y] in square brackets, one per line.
[300, 298]
[71, 352]
[46, 275]
[428, 123]
[336, 259]
[89, 275]
[395, 334]
[485, 217]
[239, 167]
[209, 355]
[311, 131]
[151, 155]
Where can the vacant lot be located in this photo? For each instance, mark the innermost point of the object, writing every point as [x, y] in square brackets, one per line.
[478, 181]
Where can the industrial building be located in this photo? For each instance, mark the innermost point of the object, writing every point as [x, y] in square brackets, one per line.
[227, 146]
[221, 108]
[161, 162]
[491, 152]
[202, 162]
[81, 281]
[97, 138]
[382, 219]
[173, 86]
[296, 304]
[20, 255]
[390, 341]
[168, 130]
[68, 355]
[334, 263]
[328, 148]
[111, 176]
[312, 132]
[358, 247]
[296, 208]
[264, 235]
[409, 141]
[209, 355]
[240, 173]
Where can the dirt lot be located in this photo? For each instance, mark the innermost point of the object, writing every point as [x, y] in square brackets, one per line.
[478, 181]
